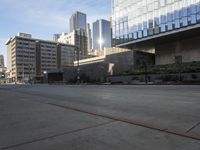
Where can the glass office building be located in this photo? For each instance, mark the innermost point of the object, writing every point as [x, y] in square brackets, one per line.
[78, 21]
[139, 19]
[101, 34]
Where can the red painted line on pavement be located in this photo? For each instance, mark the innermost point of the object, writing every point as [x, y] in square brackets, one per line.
[137, 123]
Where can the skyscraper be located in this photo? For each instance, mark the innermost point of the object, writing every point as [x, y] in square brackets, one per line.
[153, 23]
[101, 34]
[1, 61]
[78, 21]
[78, 34]
[89, 36]
[56, 37]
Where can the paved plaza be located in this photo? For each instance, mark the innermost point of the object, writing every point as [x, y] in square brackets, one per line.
[99, 117]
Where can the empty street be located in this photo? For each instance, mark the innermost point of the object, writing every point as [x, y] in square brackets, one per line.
[99, 117]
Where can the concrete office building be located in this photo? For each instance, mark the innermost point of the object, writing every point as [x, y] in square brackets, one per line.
[46, 59]
[28, 58]
[168, 28]
[101, 35]
[78, 21]
[66, 53]
[79, 39]
[21, 58]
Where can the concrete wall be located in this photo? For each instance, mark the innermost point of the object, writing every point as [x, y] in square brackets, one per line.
[113, 64]
[189, 49]
[142, 58]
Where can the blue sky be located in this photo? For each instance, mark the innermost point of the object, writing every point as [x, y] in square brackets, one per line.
[43, 18]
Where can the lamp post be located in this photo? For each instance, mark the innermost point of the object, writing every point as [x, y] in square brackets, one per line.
[45, 76]
[101, 73]
[78, 65]
[146, 73]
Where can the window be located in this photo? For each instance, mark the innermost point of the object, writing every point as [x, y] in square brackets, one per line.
[156, 22]
[162, 3]
[163, 27]
[193, 19]
[177, 24]
[140, 34]
[130, 36]
[163, 19]
[170, 26]
[145, 32]
[150, 23]
[185, 21]
[135, 36]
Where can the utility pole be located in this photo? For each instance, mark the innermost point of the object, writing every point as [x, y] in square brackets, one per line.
[78, 65]
[146, 73]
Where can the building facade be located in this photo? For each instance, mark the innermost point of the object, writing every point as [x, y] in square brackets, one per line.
[101, 34]
[46, 59]
[89, 36]
[22, 58]
[79, 39]
[143, 24]
[66, 53]
[29, 58]
[56, 37]
[78, 21]
[138, 19]
[2, 61]
[113, 62]
[2, 67]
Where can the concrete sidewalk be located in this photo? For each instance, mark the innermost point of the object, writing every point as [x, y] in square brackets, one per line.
[41, 118]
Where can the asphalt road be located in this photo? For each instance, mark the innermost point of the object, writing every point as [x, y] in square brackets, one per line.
[106, 117]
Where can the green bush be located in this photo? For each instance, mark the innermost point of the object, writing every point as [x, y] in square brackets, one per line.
[191, 67]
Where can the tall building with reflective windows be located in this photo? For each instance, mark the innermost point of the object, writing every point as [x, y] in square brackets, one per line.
[170, 28]
[78, 21]
[2, 61]
[101, 34]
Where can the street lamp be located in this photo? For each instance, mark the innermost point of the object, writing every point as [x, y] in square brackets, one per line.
[45, 76]
[78, 65]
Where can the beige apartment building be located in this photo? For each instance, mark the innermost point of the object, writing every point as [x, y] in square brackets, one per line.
[29, 58]
[21, 58]
[79, 39]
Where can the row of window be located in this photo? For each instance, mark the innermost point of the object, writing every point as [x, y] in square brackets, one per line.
[48, 61]
[153, 27]
[25, 73]
[158, 29]
[128, 17]
[124, 28]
